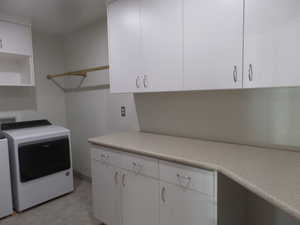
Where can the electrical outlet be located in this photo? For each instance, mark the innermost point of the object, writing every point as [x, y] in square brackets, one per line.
[123, 111]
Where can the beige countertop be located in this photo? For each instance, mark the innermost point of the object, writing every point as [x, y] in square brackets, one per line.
[272, 174]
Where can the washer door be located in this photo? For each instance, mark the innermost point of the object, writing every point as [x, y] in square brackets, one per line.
[43, 158]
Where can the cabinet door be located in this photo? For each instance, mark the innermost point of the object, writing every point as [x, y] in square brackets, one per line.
[213, 43]
[272, 31]
[180, 206]
[139, 200]
[124, 39]
[15, 39]
[106, 193]
[162, 45]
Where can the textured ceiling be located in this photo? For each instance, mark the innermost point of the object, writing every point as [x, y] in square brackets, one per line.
[56, 16]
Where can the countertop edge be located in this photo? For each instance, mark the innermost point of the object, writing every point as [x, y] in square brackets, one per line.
[208, 166]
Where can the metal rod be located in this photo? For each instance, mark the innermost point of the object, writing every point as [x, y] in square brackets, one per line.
[58, 85]
[81, 82]
[88, 88]
[82, 73]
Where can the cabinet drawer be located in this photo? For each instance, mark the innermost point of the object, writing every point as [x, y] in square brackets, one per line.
[107, 156]
[141, 165]
[188, 177]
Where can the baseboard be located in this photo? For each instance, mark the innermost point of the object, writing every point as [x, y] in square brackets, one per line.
[82, 176]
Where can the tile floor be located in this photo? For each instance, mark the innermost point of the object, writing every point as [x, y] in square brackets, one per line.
[72, 209]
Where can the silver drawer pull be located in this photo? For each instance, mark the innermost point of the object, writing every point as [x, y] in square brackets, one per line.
[123, 180]
[116, 177]
[163, 194]
[182, 178]
[104, 157]
[137, 167]
[250, 72]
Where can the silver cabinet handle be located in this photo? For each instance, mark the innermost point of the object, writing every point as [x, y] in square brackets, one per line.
[1, 43]
[137, 167]
[135, 164]
[235, 73]
[123, 179]
[137, 82]
[104, 157]
[163, 194]
[116, 177]
[145, 81]
[188, 180]
[250, 72]
[183, 177]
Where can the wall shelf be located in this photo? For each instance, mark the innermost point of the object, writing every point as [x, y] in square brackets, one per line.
[16, 70]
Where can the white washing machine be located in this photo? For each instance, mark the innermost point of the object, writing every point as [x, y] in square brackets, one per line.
[5, 182]
[40, 158]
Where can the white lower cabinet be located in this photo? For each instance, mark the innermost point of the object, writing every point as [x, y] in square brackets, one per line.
[140, 200]
[187, 195]
[125, 188]
[106, 191]
[180, 206]
[136, 190]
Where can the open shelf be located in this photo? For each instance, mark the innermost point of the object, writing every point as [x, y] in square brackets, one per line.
[16, 70]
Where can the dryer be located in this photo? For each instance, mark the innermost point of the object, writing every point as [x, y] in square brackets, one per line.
[40, 157]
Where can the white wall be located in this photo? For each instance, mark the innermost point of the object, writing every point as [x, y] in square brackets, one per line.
[260, 117]
[49, 59]
[44, 100]
[239, 206]
[93, 112]
[261, 212]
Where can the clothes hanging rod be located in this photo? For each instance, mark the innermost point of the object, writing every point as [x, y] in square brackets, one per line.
[82, 73]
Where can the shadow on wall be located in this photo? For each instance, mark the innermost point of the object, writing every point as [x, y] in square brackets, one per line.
[237, 205]
[265, 117]
[17, 98]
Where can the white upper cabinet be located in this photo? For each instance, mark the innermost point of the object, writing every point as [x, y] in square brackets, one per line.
[213, 42]
[175, 45]
[162, 45]
[124, 45]
[16, 55]
[272, 32]
[15, 38]
[145, 45]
